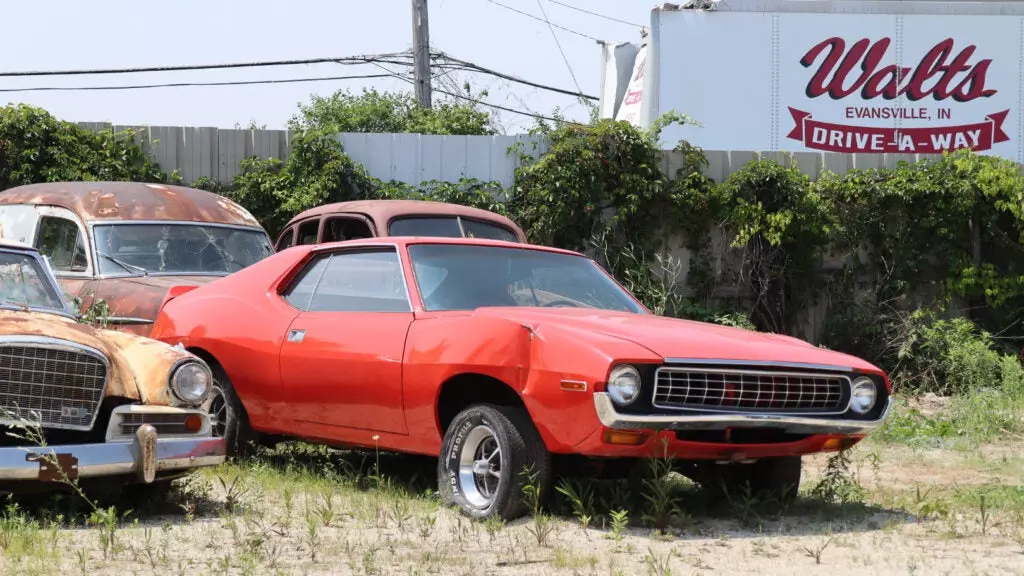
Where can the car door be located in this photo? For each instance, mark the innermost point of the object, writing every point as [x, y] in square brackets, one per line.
[341, 360]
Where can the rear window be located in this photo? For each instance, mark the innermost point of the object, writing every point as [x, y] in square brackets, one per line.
[449, 227]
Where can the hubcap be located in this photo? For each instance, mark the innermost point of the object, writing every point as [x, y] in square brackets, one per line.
[218, 412]
[480, 466]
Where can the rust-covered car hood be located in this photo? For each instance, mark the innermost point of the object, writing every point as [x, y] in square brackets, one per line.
[138, 297]
[139, 367]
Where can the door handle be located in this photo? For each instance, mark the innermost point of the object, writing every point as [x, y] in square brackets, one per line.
[296, 335]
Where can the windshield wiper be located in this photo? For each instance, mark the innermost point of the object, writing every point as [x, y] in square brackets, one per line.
[124, 265]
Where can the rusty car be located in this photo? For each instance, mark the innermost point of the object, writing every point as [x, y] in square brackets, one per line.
[380, 218]
[125, 243]
[80, 402]
[497, 355]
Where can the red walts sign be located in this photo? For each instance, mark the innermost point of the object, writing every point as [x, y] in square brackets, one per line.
[857, 72]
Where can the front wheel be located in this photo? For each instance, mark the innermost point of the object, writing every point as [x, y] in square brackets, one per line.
[493, 463]
[227, 417]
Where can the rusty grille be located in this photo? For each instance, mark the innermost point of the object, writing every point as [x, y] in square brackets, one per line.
[165, 424]
[56, 385]
[731, 390]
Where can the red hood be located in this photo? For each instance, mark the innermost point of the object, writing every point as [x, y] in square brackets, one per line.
[675, 338]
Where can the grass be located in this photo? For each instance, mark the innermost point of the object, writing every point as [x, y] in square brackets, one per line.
[303, 509]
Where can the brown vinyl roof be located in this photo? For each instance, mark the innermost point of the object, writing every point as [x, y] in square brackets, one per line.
[93, 201]
[382, 211]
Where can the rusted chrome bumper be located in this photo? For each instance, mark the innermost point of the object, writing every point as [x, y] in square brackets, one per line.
[144, 457]
[612, 418]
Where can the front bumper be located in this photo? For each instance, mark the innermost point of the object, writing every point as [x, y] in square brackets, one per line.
[793, 424]
[140, 457]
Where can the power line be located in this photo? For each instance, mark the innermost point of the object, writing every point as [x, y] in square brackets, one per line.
[347, 60]
[184, 84]
[537, 18]
[613, 19]
[464, 65]
[498, 107]
[559, 44]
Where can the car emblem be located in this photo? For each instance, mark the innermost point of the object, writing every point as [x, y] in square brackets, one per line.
[73, 412]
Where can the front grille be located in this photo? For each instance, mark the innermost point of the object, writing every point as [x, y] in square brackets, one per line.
[54, 385]
[738, 390]
[165, 424]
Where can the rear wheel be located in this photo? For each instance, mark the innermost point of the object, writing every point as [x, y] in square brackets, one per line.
[490, 458]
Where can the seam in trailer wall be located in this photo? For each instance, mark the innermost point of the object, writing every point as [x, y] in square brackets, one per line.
[773, 138]
[1020, 91]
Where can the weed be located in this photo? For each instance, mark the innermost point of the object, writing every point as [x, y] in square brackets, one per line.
[660, 493]
[837, 484]
[620, 521]
[543, 525]
[817, 550]
[658, 565]
[581, 498]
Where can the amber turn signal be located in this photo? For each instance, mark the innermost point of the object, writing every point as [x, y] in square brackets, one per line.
[840, 443]
[626, 437]
[574, 385]
[193, 423]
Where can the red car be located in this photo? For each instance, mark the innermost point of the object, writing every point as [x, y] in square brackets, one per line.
[497, 355]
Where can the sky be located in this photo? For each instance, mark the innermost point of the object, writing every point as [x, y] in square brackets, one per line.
[71, 34]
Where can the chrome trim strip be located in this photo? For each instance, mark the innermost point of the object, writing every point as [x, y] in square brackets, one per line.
[764, 363]
[849, 386]
[611, 418]
[67, 346]
[126, 320]
[113, 458]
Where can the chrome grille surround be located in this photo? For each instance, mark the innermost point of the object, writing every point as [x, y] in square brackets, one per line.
[743, 390]
[166, 424]
[57, 383]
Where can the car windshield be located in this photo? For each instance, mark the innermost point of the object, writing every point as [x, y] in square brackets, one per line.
[25, 283]
[134, 249]
[449, 227]
[465, 277]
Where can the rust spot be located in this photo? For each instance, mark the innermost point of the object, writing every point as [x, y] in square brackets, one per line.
[55, 467]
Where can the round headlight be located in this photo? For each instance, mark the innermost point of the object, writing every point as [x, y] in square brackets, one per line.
[863, 395]
[624, 385]
[191, 381]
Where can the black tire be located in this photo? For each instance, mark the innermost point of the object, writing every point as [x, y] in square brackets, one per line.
[228, 416]
[770, 479]
[520, 447]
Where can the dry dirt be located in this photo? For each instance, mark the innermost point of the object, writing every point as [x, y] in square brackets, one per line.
[923, 515]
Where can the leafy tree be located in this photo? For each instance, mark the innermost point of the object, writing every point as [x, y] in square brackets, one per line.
[36, 147]
[390, 112]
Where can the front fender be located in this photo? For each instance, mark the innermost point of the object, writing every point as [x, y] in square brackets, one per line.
[146, 361]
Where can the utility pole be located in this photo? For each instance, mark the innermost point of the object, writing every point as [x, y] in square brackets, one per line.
[421, 52]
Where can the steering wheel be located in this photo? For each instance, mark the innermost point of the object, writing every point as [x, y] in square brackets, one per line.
[562, 302]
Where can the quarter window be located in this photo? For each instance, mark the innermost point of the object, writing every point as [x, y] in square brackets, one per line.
[61, 239]
[364, 281]
[308, 230]
[287, 239]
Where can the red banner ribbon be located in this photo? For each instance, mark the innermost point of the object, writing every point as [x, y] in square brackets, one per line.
[830, 137]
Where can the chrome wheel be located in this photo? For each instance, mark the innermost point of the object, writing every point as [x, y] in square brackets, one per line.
[480, 466]
[218, 411]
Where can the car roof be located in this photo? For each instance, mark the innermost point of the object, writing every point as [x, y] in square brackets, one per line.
[8, 244]
[99, 201]
[405, 241]
[385, 210]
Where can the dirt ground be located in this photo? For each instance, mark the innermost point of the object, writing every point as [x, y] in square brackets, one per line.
[908, 512]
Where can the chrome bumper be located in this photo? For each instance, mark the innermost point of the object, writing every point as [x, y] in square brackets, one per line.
[109, 459]
[611, 418]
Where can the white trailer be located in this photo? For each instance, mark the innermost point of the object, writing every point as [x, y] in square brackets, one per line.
[914, 77]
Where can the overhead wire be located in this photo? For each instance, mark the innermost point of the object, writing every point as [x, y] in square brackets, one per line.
[559, 45]
[185, 84]
[539, 19]
[347, 60]
[585, 11]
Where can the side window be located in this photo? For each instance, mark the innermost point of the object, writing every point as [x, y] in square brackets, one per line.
[61, 240]
[441, 226]
[364, 281]
[287, 240]
[300, 291]
[487, 230]
[342, 228]
[308, 230]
